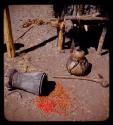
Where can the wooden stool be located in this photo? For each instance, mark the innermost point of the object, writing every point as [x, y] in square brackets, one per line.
[84, 19]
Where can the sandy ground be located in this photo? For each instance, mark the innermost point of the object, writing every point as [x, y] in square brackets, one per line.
[90, 100]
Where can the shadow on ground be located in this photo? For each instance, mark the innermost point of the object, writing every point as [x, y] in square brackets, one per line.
[39, 45]
[17, 46]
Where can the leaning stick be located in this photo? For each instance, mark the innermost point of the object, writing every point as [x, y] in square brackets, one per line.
[102, 82]
[101, 41]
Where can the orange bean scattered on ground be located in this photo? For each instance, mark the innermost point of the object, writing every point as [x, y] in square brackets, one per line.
[57, 101]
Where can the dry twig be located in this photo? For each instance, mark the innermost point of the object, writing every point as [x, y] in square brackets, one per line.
[100, 81]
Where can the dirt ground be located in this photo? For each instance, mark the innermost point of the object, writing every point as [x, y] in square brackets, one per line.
[38, 52]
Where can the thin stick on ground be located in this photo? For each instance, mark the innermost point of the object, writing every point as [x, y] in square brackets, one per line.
[100, 81]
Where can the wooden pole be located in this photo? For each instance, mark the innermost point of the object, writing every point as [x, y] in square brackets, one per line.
[87, 19]
[8, 34]
[101, 41]
[61, 35]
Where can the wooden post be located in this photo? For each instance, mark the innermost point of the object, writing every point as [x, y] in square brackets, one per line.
[61, 35]
[101, 41]
[79, 9]
[8, 34]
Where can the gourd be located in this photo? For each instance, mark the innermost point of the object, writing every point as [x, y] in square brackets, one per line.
[77, 63]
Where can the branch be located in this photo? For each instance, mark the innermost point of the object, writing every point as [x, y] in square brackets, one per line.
[103, 83]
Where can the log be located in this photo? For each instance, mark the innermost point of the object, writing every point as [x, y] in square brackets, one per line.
[101, 40]
[8, 34]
